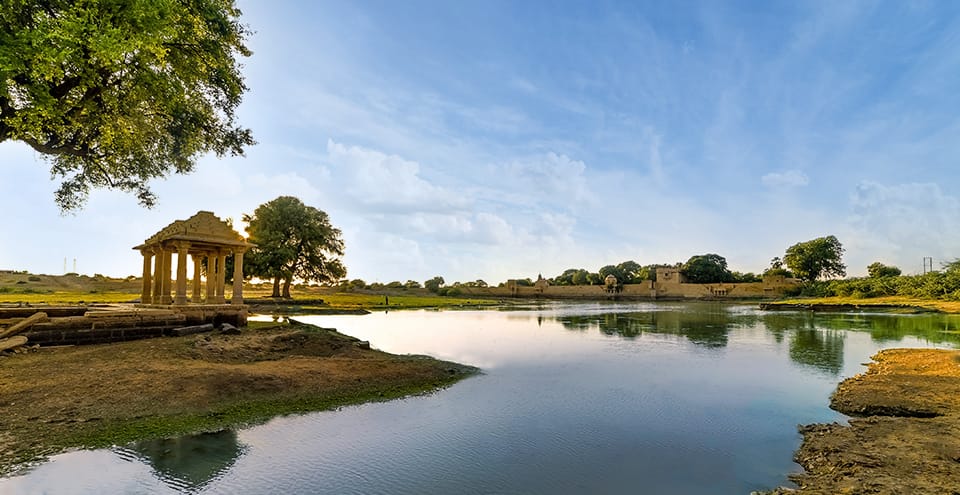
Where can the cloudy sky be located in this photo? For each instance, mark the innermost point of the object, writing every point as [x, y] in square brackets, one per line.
[495, 140]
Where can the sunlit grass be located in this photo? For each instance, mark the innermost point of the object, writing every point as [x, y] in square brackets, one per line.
[333, 300]
[938, 305]
[67, 297]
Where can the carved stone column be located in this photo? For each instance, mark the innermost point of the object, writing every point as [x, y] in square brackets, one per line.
[211, 277]
[196, 278]
[221, 276]
[157, 274]
[167, 276]
[146, 291]
[181, 297]
[237, 277]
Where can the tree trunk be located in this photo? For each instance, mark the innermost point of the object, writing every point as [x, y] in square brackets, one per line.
[276, 287]
[286, 288]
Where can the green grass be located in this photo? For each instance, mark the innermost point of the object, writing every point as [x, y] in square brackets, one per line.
[932, 304]
[374, 301]
[66, 297]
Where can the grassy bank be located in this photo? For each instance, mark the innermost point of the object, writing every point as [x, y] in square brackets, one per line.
[877, 302]
[19, 288]
[95, 396]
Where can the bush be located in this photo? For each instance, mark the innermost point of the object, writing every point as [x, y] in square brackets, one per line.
[33, 278]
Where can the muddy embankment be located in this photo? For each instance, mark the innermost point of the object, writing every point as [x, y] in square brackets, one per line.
[904, 434]
[57, 398]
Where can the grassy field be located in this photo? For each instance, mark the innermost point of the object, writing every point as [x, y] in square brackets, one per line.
[82, 289]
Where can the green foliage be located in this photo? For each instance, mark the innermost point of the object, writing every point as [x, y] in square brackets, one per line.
[820, 257]
[434, 284]
[449, 291]
[117, 93]
[524, 282]
[877, 270]
[293, 240]
[777, 269]
[706, 269]
[744, 277]
[411, 284]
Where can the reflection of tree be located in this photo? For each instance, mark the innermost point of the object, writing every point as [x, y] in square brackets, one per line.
[701, 327]
[188, 462]
[821, 349]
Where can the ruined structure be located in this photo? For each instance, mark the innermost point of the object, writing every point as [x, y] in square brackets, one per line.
[202, 237]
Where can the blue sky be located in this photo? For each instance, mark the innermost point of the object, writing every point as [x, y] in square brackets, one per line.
[495, 140]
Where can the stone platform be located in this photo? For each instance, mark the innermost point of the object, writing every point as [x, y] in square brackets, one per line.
[75, 325]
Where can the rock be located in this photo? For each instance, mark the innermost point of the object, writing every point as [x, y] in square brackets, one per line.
[180, 332]
[228, 329]
[363, 344]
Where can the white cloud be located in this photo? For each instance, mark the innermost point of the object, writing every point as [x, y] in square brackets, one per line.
[909, 221]
[550, 176]
[388, 183]
[787, 178]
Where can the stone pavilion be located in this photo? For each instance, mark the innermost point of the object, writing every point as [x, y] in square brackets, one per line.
[203, 237]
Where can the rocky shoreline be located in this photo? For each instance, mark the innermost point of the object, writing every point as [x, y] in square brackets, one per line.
[904, 434]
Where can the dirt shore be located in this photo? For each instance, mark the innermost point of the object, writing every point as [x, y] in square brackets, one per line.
[905, 434]
[52, 399]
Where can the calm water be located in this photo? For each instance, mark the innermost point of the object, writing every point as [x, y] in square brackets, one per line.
[576, 398]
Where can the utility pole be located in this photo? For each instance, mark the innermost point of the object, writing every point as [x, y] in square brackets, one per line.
[927, 264]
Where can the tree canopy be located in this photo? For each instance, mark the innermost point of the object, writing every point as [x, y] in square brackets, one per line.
[706, 269]
[877, 270]
[820, 257]
[114, 94]
[293, 240]
[434, 284]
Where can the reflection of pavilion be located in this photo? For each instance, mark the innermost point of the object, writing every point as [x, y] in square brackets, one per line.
[205, 238]
[188, 462]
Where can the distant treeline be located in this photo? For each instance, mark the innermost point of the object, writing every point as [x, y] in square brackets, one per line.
[943, 284]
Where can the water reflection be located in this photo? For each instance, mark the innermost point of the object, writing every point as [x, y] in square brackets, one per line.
[819, 349]
[188, 463]
[706, 328]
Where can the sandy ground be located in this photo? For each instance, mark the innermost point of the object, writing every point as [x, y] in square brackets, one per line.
[905, 434]
[57, 398]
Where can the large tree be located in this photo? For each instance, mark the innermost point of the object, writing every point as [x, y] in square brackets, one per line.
[115, 93]
[879, 270]
[706, 269]
[293, 241]
[820, 257]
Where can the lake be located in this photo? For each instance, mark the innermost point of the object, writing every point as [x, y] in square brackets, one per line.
[574, 398]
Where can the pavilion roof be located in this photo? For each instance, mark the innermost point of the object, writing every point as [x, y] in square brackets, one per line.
[203, 228]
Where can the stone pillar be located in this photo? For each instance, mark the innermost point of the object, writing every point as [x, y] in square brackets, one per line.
[211, 277]
[157, 274]
[146, 291]
[167, 275]
[221, 276]
[237, 277]
[182, 248]
[196, 278]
